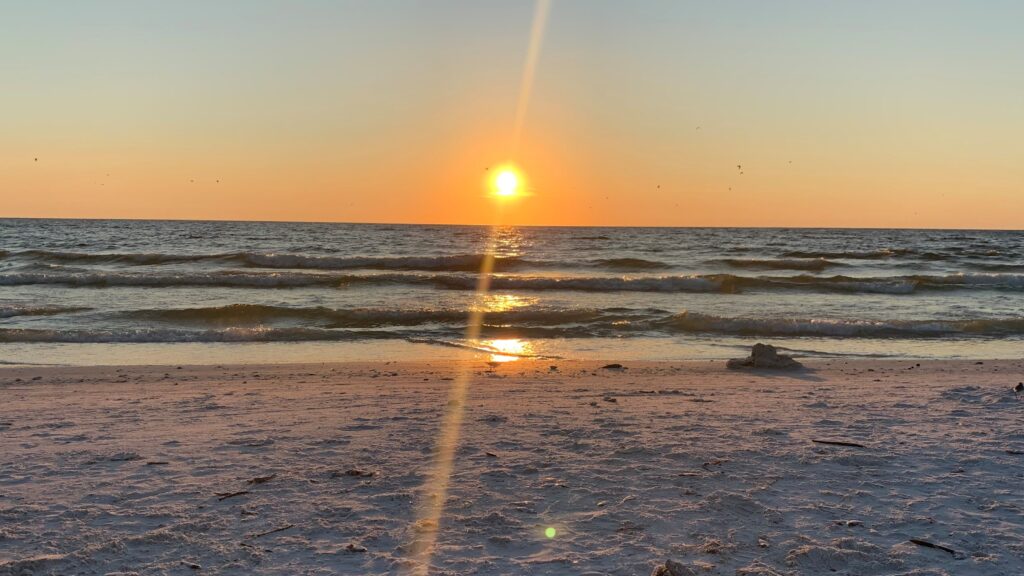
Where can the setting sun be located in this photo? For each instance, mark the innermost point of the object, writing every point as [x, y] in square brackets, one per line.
[507, 182]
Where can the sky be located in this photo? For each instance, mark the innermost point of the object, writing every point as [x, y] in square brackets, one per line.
[642, 113]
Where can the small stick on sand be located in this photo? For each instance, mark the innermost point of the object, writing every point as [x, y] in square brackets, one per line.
[281, 529]
[261, 479]
[157, 463]
[839, 443]
[226, 495]
[928, 544]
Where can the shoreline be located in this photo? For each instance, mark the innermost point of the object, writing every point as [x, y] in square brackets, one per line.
[643, 349]
[126, 468]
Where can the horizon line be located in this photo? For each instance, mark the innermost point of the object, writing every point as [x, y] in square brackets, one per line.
[504, 225]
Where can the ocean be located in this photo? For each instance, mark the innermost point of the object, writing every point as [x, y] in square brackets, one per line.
[119, 291]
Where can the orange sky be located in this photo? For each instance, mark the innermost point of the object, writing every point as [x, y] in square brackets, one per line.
[358, 112]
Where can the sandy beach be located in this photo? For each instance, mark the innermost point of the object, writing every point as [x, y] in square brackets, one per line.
[316, 469]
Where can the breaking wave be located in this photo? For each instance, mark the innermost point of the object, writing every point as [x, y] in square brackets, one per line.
[449, 263]
[810, 264]
[722, 283]
[251, 323]
[237, 314]
[695, 322]
[12, 310]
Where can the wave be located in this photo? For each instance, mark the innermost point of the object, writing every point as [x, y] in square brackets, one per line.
[553, 324]
[135, 259]
[236, 314]
[709, 283]
[810, 264]
[157, 335]
[881, 254]
[468, 262]
[447, 263]
[629, 264]
[994, 267]
[456, 263]
[695, 322]
[12, 310]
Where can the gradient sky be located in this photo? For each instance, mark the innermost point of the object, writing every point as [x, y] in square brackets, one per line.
[876, 114]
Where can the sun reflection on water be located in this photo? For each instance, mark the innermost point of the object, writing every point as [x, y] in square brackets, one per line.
[504, 302]
[508, 349]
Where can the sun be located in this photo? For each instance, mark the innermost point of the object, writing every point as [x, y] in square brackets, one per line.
[507, 183]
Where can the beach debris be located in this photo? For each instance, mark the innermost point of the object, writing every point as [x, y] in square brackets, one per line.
[1018, 388]
[261, 479]
[355, 549]
[352, 473]
[928, 544]
[839, 443]
[221, 496]
[615, 366]
[157, 463]
[191, 565]
[765, 356]
[673, 568]
[628, 526]
[712, 463]
[1015, 452]
[610, 399]
[274, 531]
[490, 454]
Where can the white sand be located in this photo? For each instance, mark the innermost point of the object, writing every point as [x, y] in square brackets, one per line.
[715, 469]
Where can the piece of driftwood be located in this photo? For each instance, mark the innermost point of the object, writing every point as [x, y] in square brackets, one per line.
[226, 495]
[275, 530]
[928, 544]
[157, 463]
[839, 443]
[261, 479]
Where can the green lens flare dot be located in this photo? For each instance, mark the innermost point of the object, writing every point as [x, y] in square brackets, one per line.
[550, 532]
